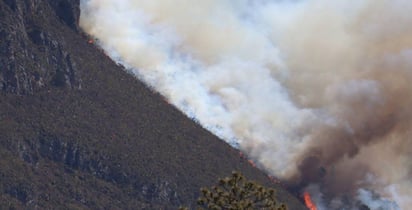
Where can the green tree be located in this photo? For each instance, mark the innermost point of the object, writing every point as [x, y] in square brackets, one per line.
[237, 193]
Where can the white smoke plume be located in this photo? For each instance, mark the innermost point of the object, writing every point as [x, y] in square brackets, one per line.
[374, 202]
[316, 91]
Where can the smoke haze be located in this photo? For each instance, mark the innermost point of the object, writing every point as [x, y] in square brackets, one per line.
[317, 91]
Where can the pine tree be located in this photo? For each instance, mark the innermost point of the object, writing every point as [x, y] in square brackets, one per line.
[237, 193]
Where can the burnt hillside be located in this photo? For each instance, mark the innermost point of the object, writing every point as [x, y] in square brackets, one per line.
[79, 132]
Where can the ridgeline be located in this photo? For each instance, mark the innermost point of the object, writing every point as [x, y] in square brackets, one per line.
[79, 132]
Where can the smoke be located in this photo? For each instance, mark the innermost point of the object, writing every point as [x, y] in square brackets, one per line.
[316, 91]
[375, 203]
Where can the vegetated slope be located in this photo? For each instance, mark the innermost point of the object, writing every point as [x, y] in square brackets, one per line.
[79, 132]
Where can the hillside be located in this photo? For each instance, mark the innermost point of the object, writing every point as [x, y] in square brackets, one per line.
[79, 132]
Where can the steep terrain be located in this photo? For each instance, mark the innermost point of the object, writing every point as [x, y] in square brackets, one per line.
[79, 132]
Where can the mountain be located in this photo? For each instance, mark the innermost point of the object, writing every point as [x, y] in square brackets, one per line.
[77, 131]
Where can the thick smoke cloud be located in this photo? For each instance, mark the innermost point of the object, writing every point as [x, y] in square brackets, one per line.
[317, 91]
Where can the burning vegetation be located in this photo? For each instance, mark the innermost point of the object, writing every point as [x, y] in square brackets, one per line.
[315, 91]
[308, 201]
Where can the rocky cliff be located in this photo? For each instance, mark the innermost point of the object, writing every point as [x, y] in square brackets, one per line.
[33, 57]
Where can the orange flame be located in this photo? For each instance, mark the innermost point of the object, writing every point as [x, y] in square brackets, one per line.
[274, 179]
[308, 201]
[252, 163]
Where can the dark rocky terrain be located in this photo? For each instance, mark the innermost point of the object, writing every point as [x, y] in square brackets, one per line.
[79, 132]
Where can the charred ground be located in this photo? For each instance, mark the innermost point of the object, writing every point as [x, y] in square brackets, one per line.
[79, 132]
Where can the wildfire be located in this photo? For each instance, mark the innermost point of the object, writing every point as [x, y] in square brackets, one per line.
[308, 201]
[252, 163]
[274, 179]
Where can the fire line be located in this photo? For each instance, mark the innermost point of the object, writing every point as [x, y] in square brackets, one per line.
[308, 201]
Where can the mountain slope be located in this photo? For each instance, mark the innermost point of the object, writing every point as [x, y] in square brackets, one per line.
[79, 132]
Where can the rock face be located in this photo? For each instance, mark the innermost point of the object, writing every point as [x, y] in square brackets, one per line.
[31, 57]
[76, 157]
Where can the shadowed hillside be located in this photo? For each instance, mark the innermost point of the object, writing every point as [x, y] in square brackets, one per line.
[79, 132]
